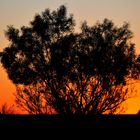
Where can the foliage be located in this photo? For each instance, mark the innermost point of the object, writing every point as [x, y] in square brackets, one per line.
[5, 109]
[82, 73]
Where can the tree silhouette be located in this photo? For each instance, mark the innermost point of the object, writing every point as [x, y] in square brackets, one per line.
[33, 99]
[82, 73]
[5, 109]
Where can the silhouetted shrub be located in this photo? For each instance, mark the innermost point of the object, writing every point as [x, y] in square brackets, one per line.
[83, 73]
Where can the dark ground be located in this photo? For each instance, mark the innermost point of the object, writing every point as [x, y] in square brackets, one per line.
[56, 126]
[73, 122]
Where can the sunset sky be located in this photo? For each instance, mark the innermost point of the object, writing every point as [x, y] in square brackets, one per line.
[21, 12]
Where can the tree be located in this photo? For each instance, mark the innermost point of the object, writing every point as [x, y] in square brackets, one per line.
[5, 109]
[33, 99]
[79, 73]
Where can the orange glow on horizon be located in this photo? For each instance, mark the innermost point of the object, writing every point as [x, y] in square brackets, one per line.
[7, 88]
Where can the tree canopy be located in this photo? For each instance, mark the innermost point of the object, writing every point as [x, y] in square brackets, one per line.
[82, 73]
